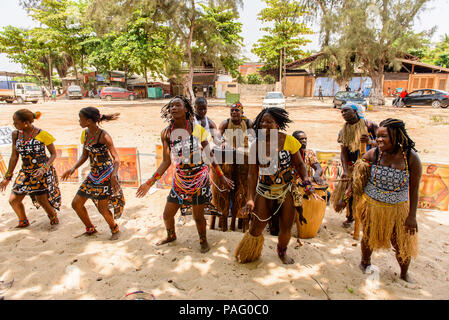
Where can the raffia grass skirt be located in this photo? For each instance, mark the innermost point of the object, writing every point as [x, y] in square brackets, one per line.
[221, 200]
[381, 221]
[249, 248]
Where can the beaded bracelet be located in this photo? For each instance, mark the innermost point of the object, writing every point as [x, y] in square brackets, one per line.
[8, 176]
[156, 176]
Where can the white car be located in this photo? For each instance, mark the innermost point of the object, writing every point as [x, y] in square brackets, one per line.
[274, 99]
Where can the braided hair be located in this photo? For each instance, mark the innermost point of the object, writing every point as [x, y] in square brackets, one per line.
[165, 111]
[398, 134]
[279, 115]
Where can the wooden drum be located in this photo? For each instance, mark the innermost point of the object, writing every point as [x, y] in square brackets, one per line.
[313, 211]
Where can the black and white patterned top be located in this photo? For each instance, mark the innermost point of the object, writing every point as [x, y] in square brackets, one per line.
[387, 180]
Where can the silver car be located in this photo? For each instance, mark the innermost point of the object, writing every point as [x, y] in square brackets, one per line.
[74, 92]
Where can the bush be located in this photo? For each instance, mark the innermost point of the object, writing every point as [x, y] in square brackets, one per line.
[269, 79]
[254, 78]
[242, 79]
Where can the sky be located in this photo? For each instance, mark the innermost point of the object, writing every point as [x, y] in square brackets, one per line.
[12, 14]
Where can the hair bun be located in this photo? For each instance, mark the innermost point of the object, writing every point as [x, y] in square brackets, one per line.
[37, 114]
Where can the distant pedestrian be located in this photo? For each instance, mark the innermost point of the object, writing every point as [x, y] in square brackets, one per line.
[43, 94]
[53, 93]
[347, 88]
[320, 94]
[205, 92]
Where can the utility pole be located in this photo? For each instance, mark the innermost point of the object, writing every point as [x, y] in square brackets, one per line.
[280, 68]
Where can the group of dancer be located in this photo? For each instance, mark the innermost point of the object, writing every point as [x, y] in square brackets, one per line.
[260, 179]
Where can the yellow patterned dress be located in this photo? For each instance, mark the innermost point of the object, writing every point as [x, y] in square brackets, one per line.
[34, 157]
[97, 185]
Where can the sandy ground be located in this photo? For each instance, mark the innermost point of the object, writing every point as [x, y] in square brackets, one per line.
[57, 264]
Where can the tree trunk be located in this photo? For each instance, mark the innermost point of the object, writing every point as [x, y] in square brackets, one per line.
[50, 71]
[188, 81]
[284, 78]
[146, 83]
[376, 96]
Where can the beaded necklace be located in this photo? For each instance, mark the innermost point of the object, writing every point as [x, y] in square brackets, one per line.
[90, 140]
[29, 138]
[405, 176]
[188, 184]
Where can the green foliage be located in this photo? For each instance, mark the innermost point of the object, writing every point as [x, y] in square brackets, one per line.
[372, 35]
[436, 55]
[254, 78]
[242, 79]
[285, 33]
[269, 79]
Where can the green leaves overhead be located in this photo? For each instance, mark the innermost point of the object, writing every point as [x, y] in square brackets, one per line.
[285, 32]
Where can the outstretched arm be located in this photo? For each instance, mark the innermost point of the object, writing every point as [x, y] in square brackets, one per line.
[79, 163]
[166, 162]
[12, 162]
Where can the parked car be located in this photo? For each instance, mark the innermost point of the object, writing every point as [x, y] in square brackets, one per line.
[74, 92]
[274, 99]
[343, 97]
[425, 97]
[110, 93]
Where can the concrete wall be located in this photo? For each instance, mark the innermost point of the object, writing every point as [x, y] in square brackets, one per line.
[255, 90]
[222, 87]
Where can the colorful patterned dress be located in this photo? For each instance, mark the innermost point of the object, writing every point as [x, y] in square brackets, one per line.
[97, 185]
[34, 157]
[191, 185]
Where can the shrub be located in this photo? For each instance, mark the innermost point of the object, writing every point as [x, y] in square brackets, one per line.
[269, 79]
[254, 78]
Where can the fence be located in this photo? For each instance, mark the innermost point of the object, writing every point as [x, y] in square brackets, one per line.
[433, 189]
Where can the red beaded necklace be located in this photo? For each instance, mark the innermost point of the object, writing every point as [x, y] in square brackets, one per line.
[30, 137]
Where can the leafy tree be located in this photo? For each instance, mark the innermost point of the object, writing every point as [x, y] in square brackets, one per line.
[269, 79]
[283, 41]
[254, 78]
[33, 50]
[66, 26]
[372, 35]
[193, 40]
[437, 54]
[325, 13]
[242, 79]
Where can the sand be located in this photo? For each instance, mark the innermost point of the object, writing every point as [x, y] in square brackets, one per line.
[57, 264]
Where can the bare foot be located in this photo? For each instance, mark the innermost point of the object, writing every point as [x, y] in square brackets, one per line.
[23, 224]
[407, 278]
[165, 241]
[90, 233]
[347, 224]
[115, 236]
[363, 266]
[286, 259]
[204, 247]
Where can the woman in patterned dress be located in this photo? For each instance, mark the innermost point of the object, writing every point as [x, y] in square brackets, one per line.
[37, 177]
[271, 184]
[102, 184]
[183, 143]
[386, 187]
